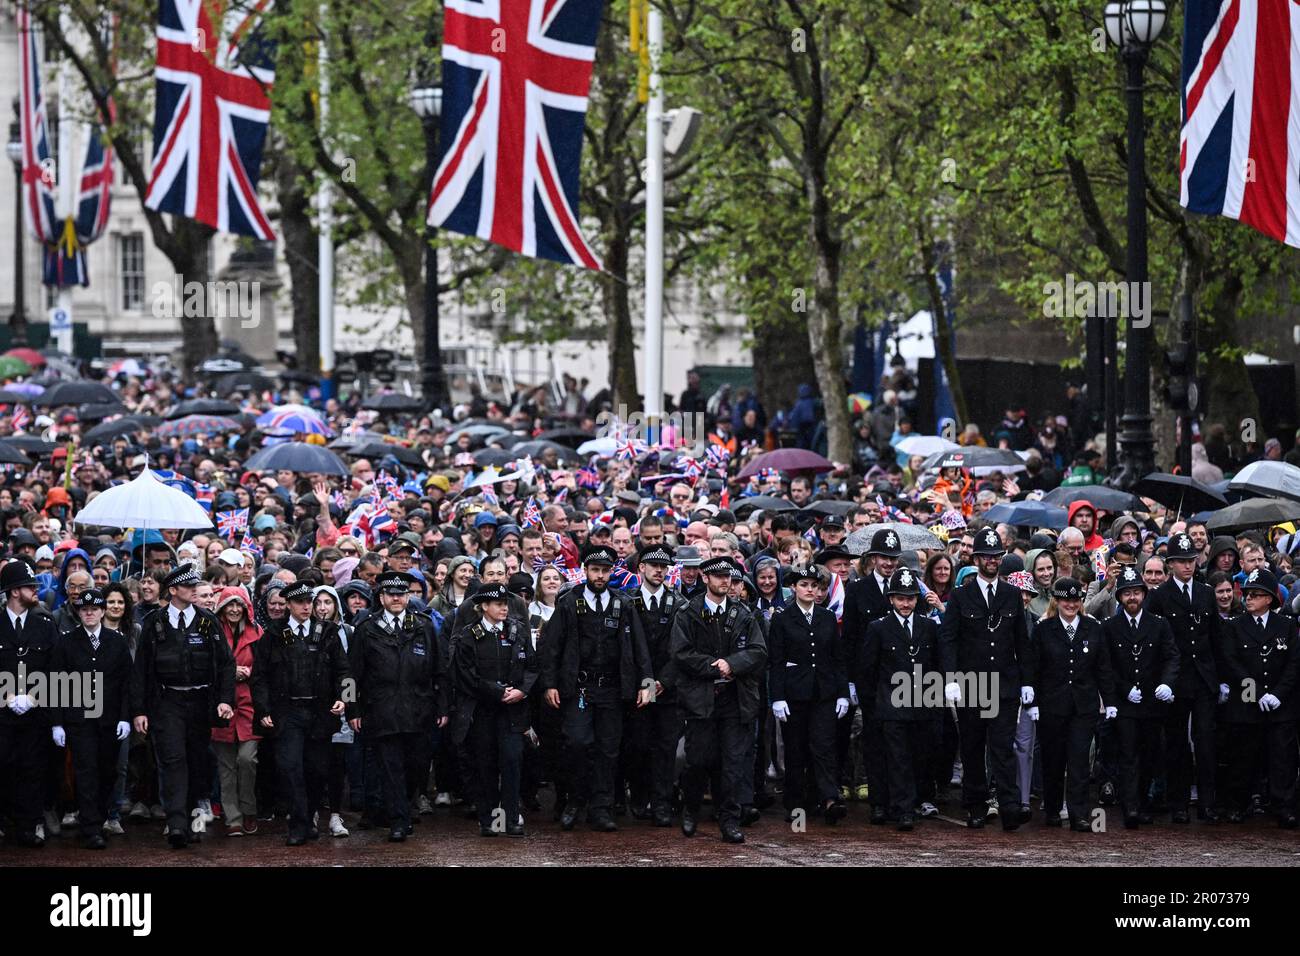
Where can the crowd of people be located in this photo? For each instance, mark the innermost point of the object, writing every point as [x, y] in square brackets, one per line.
[622, 633]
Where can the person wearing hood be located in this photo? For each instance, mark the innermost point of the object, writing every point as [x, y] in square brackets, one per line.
[1224, 556]
[236, 744]
[75, 560]
[356, 599]
[1041, 564]
[1082, 514]
[769, 586]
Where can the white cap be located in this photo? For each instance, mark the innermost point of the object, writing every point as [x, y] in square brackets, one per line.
[44, 553]
[42, 421]
[231, 556]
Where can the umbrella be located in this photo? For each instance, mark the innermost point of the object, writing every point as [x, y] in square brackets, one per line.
[765, 502]
[288, 422]
[192, 425]
[786, 459]
[1099, 496]
[495, 457]
[98, 411]
[10, 455]
[1034, 514]
[29, 389]
[1179, 492]
[31, 444]
[299, 457]
[978, 460]
[202, 406]
[1254, 513]
[911, 537]
[393, 402]
[604, 446]
[9, 396]
[538, 448]
[1275, 478]
[244, 381]
[354, 440]
[12, 367]
[76, 393]
[829, 506]
[573, 437]
[477, 431]
[380, 449]
[106, 432]
[144, 502]
[926, 445]
[32, 357]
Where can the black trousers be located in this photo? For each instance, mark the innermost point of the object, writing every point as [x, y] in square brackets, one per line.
[1178, 752]
[1250, 742]
[403, 760]
[991, 738]
[548, 723]
[721, 741]
[809, 735]
[843, 742]
[1106, 765]
[873, 760]
[182, 731]
[909, 747]
[498, 756]
[1066, 744]
[1139, 745]
[650, 741]
[303, 762]
[95, 748]
[22, 763]
[592, 735]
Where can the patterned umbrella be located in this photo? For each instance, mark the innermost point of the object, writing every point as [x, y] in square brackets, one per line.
[11, 367]
[192, 425]
[287, 421]
[32, 357]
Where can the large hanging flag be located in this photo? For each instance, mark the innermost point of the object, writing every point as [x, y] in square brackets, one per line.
[515, 76]
[212, 85]
[38, 162]
[1240, 143]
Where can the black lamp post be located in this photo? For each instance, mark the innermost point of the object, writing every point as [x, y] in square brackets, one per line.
[426, 100]
[18, 321]
[1134, 26]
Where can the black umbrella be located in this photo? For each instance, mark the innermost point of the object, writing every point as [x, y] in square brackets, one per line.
[537, 448]
[393, 402]
[107, 432]
[765, 502]
[378, 449]
[31, 444]
[9, 455]
[829, 506]
[14, 398]
[298, 457]
[1255, 513]
[101, 410]
[975, 456]
[496, 457]
[201, 406]
[1180, 492]
[76, 393]
[573, 437]
[245, 381]
[1099, 496]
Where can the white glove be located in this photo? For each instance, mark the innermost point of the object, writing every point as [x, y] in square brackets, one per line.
[1223, 693]
[853, 694]
[1135, 696]
[780, 710]
[60, 738]
[21, 704]
[952, 692]
[1112, 713]
[1269, 702]
[1164, 693]
[1033, 713]
[123, 730]
[1026, 695]
[841, 707]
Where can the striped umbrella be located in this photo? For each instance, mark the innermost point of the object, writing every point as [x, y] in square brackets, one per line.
[192, 425]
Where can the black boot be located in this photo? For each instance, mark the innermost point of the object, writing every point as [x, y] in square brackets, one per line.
[731, 834]
[569, 817]
[688, 822]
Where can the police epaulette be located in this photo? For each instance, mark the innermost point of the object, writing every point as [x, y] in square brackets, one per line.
[476, 630]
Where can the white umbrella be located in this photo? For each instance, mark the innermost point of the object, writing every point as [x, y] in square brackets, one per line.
[925, 445]
[1271, 478]
[144, 503]
[604, 446]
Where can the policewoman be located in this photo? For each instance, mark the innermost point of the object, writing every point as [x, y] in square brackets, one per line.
[401, 694]
[494, 670]
[182, 686]
[300, 679]
[1144, 661]
[93, 730]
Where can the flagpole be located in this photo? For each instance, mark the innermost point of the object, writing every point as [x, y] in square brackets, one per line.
[325, 236]
[67, 187]
[654, 229]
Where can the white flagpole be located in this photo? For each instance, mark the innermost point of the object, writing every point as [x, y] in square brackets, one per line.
[325, 235]
[67, 194]
[654, 225]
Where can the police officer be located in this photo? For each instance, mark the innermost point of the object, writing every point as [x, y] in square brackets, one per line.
[809, 685]
[656, 729]
[1258, 660]
[1188, 605]
[1069, 674]
[983, 639]
[593, 661]
[900, 652]
[494, 669]
[300, 677]
[866, 599]
[27, 640]
[184, 676]
[720, 657]
[401, 693]
[1144, 662]
[94, 656]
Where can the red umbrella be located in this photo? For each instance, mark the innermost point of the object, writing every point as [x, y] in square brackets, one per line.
[32, 357]
[787, 459]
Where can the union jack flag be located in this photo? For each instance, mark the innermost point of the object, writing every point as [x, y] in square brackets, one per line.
[21, 417]
[392, 490]
[38, 161]
[229, 522]
[587, 477]
[717, 456]
[629, 448]
[249, 543]
[1239, 151]
[340, 500]
[690, 467]
[515, 75]
[532, 514]
[673, 578]
[835, 597]
[490, 497]
[212, 86]
[622, 578]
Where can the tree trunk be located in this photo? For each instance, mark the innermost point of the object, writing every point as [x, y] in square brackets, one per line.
[187, 250]
[618, 319]
[782, 362]
[1229, 396]
[410, 267]
[824, 326]
[303, 257]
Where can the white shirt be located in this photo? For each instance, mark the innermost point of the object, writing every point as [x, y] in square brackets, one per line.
[595, 601]
[544, 611]
[392, 623]
[882, 583]
[989, 589]
[647, 595]
[1185, 588]
[95, 633]
[1263, 618]
[300, 628]
[16, 620]
[1070, 623]
[904, 621]
[715, 608]
[806, 611]
[175, 615]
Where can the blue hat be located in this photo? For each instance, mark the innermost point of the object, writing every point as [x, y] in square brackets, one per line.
[485, 518]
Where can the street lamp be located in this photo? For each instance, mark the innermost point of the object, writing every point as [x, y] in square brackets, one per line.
[14, 149]
[426, 100]
[1134, 26]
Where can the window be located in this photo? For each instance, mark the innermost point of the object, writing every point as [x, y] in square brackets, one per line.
[130, 269]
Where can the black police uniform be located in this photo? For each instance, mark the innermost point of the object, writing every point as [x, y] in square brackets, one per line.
[23, 738]
[656, 729]
[92, 733]
[1194, 625]
[865, 601]
[182, 674]
[296, 679]
[1256, 660]
[987, 643]
[807, 670]
[1144, 657]
[719, 712]
[486, 661]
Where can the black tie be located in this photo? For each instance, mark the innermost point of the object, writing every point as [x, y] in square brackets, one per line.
[1187, 592]
[654, 604]
[1260, 622]
[18, 628]
[907, 626]
[1133, 623]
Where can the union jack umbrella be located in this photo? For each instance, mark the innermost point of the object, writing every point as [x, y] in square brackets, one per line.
[292, 422]
[196, 425]
[212, 82]
[515, 76]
